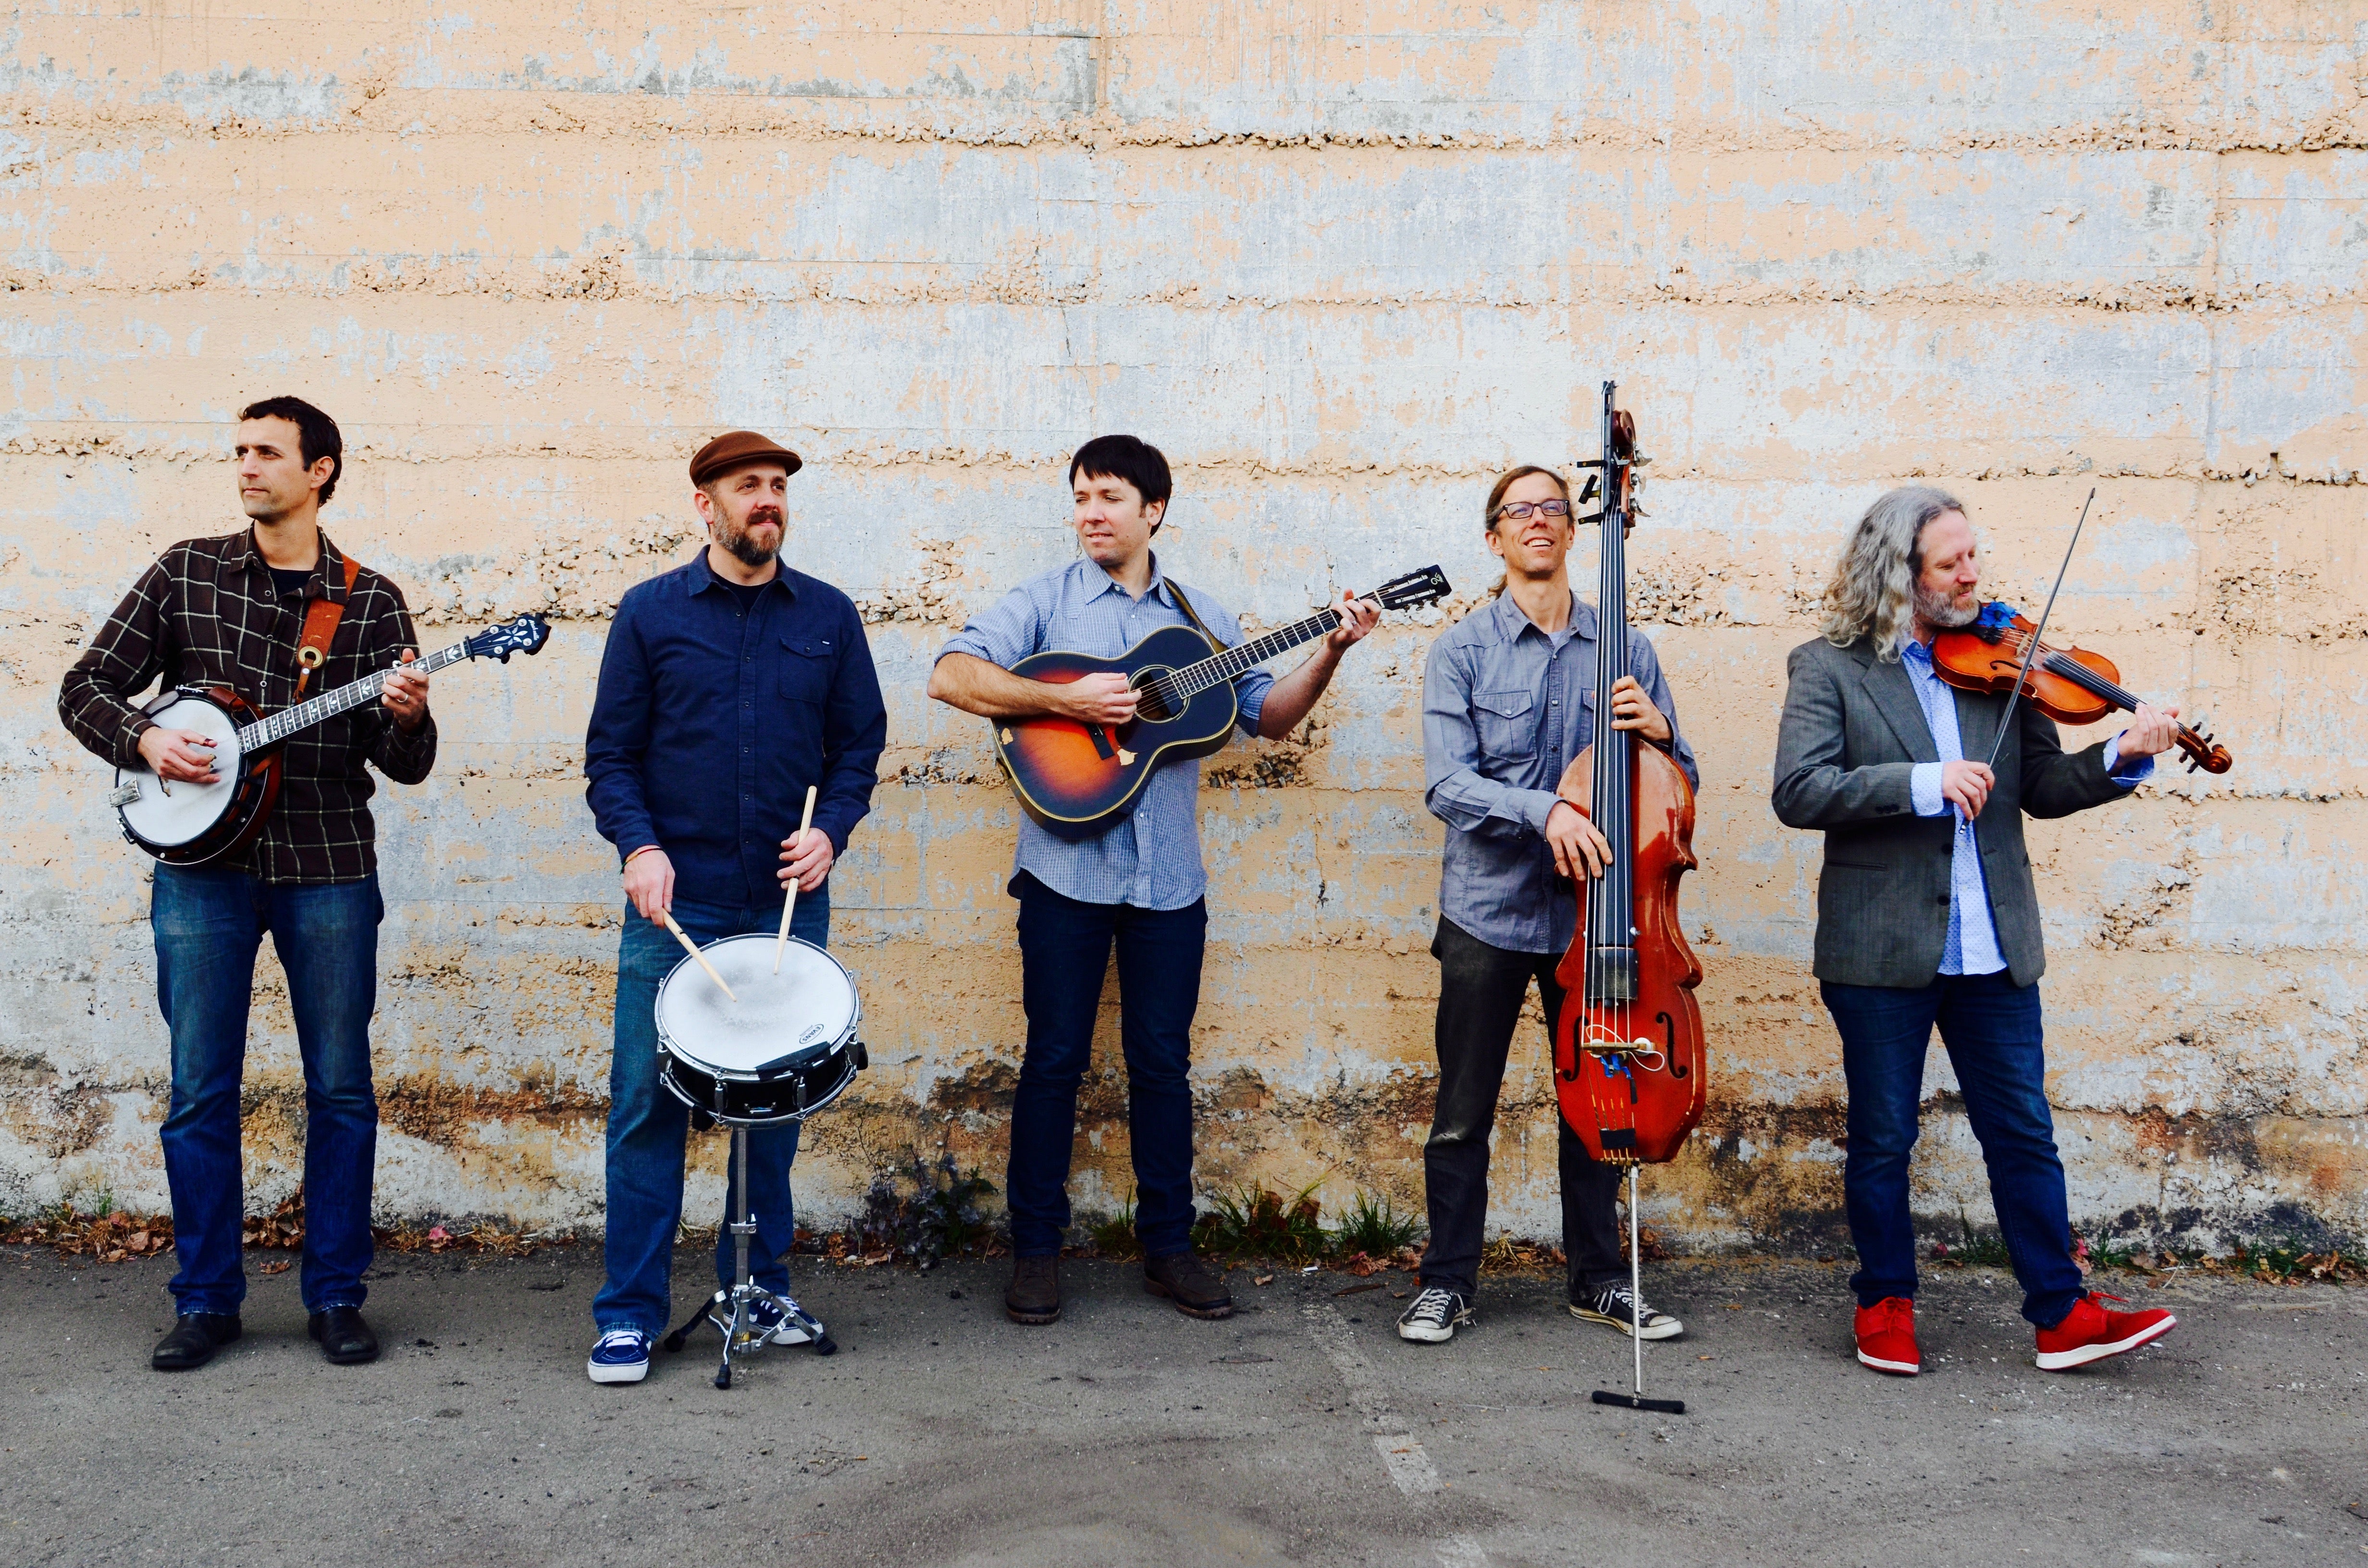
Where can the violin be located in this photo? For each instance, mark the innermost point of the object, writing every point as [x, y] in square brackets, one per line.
[2071, 686]
[1629, 1070]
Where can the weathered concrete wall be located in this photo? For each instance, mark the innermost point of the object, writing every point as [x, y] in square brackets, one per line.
[1343, 262]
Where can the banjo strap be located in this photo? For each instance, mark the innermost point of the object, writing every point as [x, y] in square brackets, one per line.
[321, 617]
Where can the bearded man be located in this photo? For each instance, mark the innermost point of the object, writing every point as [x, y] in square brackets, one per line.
[1926, 914]
[729, 686]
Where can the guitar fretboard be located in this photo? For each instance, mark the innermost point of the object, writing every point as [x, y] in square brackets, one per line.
[329, 704]
[1182, 685]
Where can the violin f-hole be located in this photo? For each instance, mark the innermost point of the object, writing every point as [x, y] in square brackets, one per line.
[1670, 1043]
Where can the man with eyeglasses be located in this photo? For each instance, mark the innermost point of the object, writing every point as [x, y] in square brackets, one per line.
[1506, 704]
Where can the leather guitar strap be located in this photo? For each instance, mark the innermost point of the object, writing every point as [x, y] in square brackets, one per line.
[1193, 616]
[321, 617]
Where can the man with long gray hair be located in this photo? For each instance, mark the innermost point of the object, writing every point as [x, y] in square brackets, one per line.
[1926, 914]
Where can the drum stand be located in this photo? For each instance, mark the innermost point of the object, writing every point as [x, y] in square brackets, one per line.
[730, 1311]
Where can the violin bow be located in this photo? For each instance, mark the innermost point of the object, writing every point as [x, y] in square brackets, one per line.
[2030, 650]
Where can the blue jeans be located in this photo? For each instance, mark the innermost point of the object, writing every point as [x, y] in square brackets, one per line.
[648, 1127]
[1991, 1027]
[209, 924]
[1065, 948]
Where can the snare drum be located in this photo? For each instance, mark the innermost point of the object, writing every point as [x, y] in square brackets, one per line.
[786, 1049]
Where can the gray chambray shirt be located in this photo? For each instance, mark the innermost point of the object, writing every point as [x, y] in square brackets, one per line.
[1151, 859]
[1504, 708]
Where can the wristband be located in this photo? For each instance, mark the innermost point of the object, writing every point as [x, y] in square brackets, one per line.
[636, 854]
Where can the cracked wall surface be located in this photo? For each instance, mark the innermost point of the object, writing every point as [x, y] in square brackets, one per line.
[1343, 262]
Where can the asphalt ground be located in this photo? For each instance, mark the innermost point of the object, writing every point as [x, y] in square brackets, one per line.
[1299, 1431]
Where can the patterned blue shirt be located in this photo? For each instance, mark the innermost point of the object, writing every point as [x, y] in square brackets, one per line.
[1505, 709]
[1152, 859]
[1971, 944]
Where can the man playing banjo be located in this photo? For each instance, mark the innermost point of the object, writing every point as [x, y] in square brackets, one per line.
[731, 686]
[231, 612]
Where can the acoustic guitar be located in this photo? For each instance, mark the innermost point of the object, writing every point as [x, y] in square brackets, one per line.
[187, 824]
[1077, 779]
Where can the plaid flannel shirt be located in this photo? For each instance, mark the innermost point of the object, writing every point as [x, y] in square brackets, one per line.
[208, 614]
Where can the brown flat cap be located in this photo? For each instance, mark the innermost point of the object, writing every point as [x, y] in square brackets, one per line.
[734, 447]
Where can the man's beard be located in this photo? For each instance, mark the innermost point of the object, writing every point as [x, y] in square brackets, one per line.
[1941, 610]
[738, 540]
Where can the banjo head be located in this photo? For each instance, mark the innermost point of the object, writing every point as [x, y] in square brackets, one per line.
[808, 1007]
[190, 811]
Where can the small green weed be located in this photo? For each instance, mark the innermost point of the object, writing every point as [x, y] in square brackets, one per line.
[1258, 1222]
[1114, 1236]
[1375, 1228]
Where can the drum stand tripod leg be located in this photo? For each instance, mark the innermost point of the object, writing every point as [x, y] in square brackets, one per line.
[731, 1309]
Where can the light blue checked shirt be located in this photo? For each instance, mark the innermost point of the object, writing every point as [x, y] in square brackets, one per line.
[1971, 944]
[1153, 859]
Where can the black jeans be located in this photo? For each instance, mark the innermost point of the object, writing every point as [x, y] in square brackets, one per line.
[1065, 948]
[1481, 989]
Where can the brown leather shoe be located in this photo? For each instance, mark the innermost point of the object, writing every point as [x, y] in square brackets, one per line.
[1186, 1280]
[1034, 1294]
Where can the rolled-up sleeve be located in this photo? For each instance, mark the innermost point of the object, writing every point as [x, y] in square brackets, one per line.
[1645, 663]
[1003, 633]
[1251, 686]
[1455, 790]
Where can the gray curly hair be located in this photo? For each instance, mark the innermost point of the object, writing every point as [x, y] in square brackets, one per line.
[1873, 590]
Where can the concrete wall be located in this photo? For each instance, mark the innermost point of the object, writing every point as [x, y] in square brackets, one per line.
[1343, 261]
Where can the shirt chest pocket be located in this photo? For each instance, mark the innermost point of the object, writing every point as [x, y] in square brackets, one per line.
[801, 672]
[1507, 722]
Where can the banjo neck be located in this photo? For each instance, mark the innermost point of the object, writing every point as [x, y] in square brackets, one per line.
[329, 704]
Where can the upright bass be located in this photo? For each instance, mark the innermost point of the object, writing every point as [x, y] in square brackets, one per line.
[1629, 1070]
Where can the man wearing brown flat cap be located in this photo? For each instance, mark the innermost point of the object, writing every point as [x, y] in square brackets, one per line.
[730, 685]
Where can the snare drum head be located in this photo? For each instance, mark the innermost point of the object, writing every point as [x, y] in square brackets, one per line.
[809, 1007]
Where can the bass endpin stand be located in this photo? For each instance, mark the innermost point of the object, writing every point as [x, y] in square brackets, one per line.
[1637, 1401]
[733, 1311]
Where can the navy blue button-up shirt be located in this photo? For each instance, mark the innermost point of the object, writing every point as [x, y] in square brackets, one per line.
[711, 723]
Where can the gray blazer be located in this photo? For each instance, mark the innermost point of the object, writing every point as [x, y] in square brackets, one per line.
[1851, 732]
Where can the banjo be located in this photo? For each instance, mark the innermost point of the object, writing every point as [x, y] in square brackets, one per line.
[187, 824]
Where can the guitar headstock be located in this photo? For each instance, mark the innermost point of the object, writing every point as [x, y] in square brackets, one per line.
[1426, 586]
[521, 634]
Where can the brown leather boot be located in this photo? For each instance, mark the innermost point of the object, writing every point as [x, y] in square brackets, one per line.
[1186, 1280]
[1034, 1294]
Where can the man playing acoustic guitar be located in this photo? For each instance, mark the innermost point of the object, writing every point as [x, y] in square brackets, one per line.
[1139, 883]
[244, 611]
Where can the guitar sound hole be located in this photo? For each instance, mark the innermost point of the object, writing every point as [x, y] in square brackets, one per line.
[1150, 708]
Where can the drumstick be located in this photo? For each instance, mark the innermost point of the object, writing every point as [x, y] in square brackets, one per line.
[692, 949]
[781, 943]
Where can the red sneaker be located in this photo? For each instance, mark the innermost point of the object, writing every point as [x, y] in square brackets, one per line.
[2090, 1333]
[1887, 1336]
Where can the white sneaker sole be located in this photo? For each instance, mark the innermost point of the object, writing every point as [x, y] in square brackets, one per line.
[1668, 1328]
[1423, 1334]
[2065, 1360]
[633, 1373]
[1903, 1368]
[786, 1334]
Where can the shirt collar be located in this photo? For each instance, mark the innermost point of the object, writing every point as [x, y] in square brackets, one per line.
[1512, 621]
[1913, 650]
[327, 580]
[1157, 589]
[702, 575]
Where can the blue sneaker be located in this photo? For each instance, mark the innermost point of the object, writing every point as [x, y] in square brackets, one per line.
[776, 1324]
[622, 1357]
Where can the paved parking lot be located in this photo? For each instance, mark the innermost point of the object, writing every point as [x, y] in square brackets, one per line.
[1300, 1431]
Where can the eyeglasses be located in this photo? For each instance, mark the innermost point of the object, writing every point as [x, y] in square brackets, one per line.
[1519, 510]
